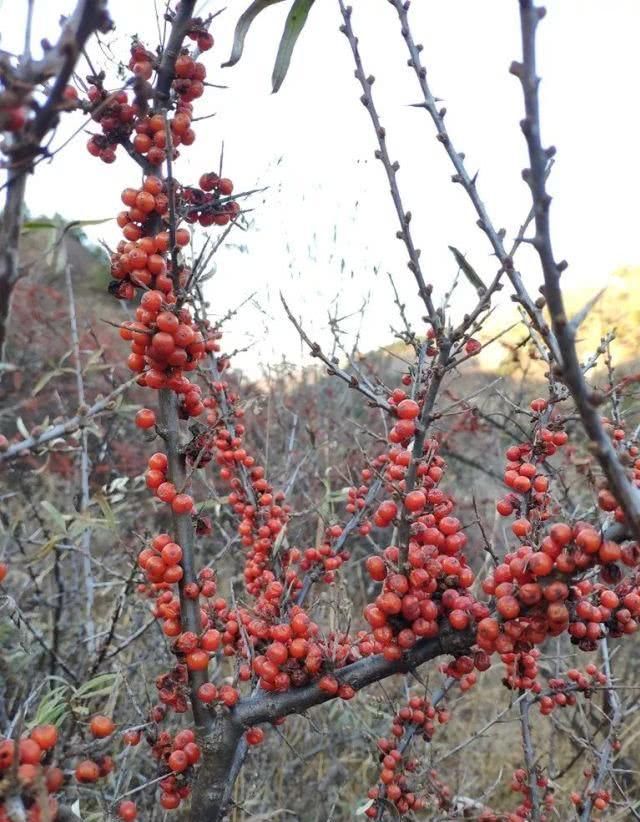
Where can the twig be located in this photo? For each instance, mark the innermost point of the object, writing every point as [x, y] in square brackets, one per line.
[627, 496]
[85, 497]
[391, 168]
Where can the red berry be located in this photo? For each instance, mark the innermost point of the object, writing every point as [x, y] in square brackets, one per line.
[145, 418]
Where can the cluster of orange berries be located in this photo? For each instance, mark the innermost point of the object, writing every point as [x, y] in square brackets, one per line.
[628, 455]
[115, 115]
[29, 760]
[536, 594]
[177, 756]
[523, 475]
[407, 412]
[417, 718]
[464, 667]
[437, 578]
[563, 691]
[163, 346]
[290, 654]
[211, 203]
[520, 784]
[601, 798]
[33, 755]
[151, 139]
[165, 491]
[143, 205]
[119, 118]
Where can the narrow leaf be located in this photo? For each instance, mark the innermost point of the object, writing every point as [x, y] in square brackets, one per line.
[101, 684]
[295, 23]
[46, 549]
[81, 223]
[44, 380]
[107, 510]
[55, 515]
[468, 271]
[35, 225]
[242, 27]
[581, 316]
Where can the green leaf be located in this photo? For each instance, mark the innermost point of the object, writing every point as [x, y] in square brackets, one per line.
[35, 225]
[52, 709]
[100, 685]
[107, 510]
[295, 23]
[46, 549]
[81, 223]
[55, 515]
[242, 27]
[45, 379]
[468, 271]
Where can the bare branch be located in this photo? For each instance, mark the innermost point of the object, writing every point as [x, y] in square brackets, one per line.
[627, 496]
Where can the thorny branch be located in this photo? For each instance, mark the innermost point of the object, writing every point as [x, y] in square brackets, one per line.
[570, 371]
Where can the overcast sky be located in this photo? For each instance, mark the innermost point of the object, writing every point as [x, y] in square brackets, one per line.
[325, 229]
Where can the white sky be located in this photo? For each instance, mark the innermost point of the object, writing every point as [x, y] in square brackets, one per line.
[313, 146]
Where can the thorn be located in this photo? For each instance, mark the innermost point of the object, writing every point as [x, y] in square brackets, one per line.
[550, 152]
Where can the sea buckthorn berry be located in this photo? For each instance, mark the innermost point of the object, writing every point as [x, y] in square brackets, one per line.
[145, 418]
[101, 726]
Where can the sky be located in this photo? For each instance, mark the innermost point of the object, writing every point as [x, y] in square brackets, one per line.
[323, 231]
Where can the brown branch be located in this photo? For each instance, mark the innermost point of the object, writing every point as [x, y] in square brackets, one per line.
[529, 757]
[391, 168]
[89, 16]
[468, 183]
[267, 707]
[215, 777]
[20, 449]
[333, 366]
[605, 754]
[179, 28]
[627, 496]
